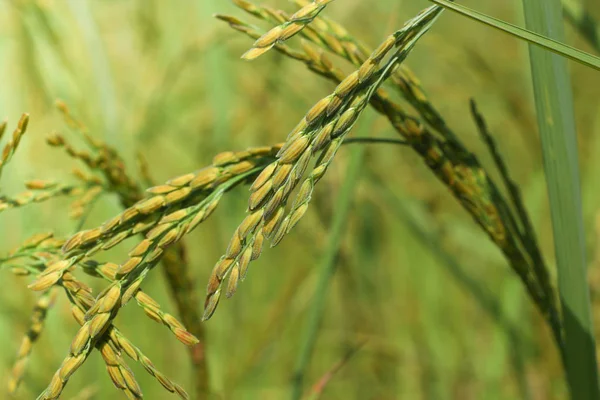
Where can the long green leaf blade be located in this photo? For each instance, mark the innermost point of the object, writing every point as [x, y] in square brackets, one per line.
[554, 105]
[528, 35]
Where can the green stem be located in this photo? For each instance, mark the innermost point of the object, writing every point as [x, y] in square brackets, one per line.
[554, 104]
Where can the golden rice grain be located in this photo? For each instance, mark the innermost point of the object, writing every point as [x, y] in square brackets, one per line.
[204, 177]
[294, 151]
[263, 177]
[161, 189]
[232, 283]
[318, 110]
[141, 248]
[69, 366]
[80, 340]
[97, 324]
[129, 265]
[235, 246]
[281, 175]
[149, 205]
[250, 223]
[181, 180]
[273, 223]
[257, 197]
[45, 281]
[177, 195]
[168, 238]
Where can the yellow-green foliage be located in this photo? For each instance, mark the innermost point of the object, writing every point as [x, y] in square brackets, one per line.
[423, 267]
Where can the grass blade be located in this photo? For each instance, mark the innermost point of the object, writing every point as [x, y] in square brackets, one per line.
[327, 268]
[528, 35]
[554, 104]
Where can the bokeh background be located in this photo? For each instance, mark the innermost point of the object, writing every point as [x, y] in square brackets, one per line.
[424, 299]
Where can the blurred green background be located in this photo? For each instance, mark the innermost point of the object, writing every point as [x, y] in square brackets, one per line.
[437, 311]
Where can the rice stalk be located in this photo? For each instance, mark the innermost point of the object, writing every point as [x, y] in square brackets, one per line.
[3, 125]
[41, 191]
[36, 326]
[455, 166]
[32, 258]
[111, 345]
[111, 166]
[13, 143]
[284, 178]
[298, 21]
[228, 170]
[334, 38]
[104, 164]
[525, 229]
[321, 131]
[183, 289]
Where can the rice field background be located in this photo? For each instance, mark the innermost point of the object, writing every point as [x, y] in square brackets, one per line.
[421, 305]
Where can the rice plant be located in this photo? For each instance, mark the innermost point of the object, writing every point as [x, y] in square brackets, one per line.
[341, 149]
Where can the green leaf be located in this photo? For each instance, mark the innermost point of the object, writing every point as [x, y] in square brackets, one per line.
[532, 37]
[555, 114]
